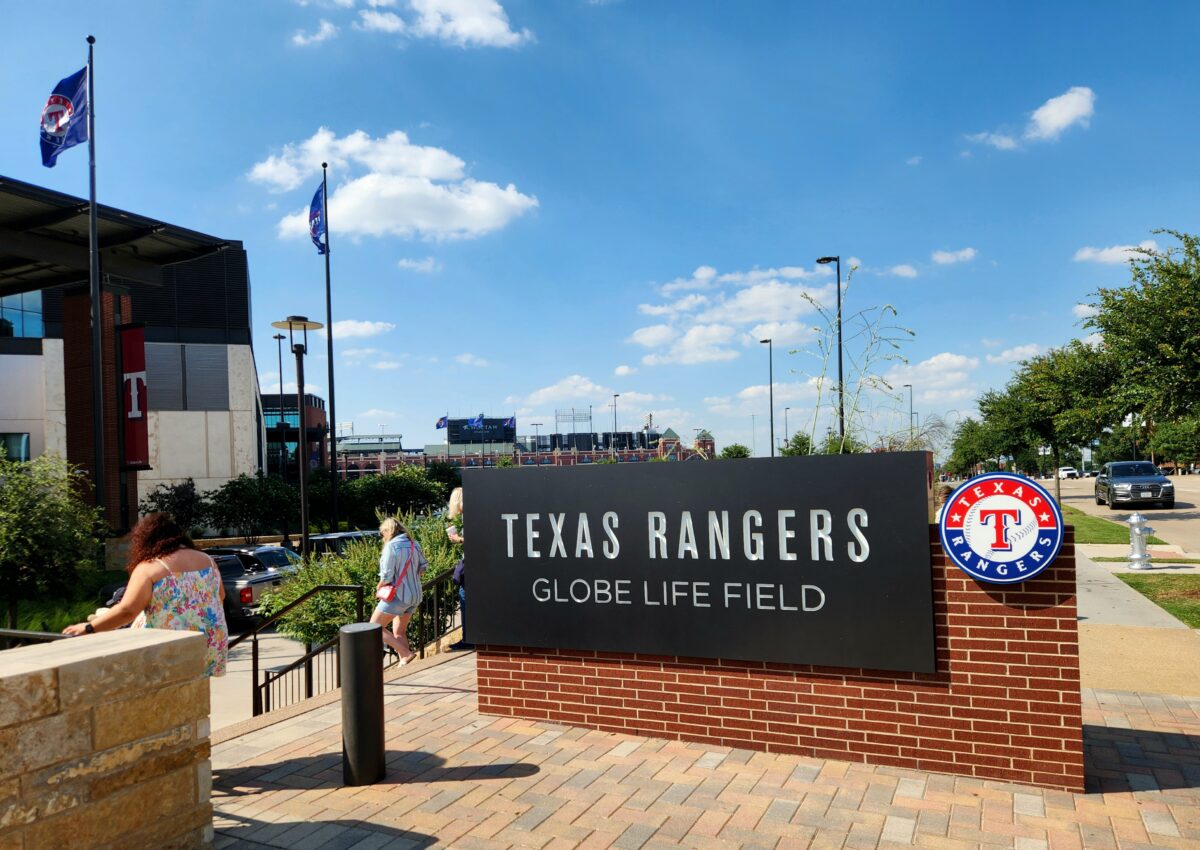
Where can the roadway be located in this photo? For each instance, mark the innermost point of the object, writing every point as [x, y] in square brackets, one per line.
[1179, 525]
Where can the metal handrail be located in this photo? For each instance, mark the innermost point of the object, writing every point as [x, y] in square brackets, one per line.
[12, 636]
[274, 618]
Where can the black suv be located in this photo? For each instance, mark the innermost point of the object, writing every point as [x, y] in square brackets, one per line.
[335, 543]
[1130, 482]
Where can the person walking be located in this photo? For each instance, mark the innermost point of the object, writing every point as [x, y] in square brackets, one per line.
[172, 585]
[401, 564]
[454, 526]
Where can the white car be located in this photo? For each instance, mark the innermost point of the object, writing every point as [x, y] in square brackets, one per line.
[1068, 472]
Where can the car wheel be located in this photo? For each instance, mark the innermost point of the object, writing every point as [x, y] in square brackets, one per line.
[1112, 506]
[1099, 501]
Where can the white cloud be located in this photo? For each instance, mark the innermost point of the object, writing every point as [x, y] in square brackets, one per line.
[653, 336]
[377, 415]
[702, 278]
[1000, 141]
[1114, 254]
[701, 344]
[913, 160]
[784, 391]
[425, 266]
[1084, 311]
[356, 355]
[407, 190]
[386, 365]
[766, 302]
[468, 359]
[681, 305]
[780, 333]
[903, 270]
[624, 371]
[466, 23]
[943, 377]
[1017, 354]
[323, 32]
[945, 258]
[757, 275]
[1073, 107]
[375, 21]
[1094, 340]
[1049, 120]
[570, 387]
[354, 328]
[642, 398]
[290, 387]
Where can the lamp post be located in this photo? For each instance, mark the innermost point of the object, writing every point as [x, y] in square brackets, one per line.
[293, 324]
[771, 386]
[841, 390]
[614, 431]
[910, 414]
[753, 437]
[787, 440]
[279, 338]
[537, 442]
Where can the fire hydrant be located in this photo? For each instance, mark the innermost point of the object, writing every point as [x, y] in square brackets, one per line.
[1138, 532]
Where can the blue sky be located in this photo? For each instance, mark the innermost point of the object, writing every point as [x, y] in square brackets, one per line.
[535, 205]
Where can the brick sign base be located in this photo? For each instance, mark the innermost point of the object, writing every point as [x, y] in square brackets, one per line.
[1004, 703]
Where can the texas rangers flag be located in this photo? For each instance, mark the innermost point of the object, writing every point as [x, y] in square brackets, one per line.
[64, 118]
[316, 220]
[443, 422]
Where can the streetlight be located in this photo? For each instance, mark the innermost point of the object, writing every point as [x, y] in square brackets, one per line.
[771, 386]
[910, 414]
[279, 338]
[333, 479]
[614, 431]
[537, 442]
[753, 437]
[293, 324]
[841, 390]
[787, 440]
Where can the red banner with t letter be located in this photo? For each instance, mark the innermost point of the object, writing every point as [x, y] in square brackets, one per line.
[133, 397]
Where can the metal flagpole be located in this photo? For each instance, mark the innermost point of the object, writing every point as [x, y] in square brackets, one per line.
[329, 349]
[94, 281]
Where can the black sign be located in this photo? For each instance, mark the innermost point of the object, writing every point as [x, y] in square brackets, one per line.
[811, 560]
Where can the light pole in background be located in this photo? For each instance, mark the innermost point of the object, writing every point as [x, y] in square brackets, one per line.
[841, 390]
[787, 440]
[537, 442]
[771, 386]
[753, 437]
[911, 436]
[614, 431]
[293, 324]
[279, 338]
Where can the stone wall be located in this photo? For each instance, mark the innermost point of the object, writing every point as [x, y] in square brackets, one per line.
[1003, 704]
[104, 743]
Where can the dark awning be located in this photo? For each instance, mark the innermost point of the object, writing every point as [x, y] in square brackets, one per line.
[44, 240]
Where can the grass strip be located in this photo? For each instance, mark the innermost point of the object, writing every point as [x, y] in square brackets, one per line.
[1093, 529]
[1179, 596]
[1107, 560]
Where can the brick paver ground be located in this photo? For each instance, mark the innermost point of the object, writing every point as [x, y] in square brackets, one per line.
[459, 779]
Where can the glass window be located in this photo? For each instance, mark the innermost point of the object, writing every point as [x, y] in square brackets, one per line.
[15, 446]
[21, 315]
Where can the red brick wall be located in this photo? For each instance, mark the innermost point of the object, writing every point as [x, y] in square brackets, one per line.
[1004, 703]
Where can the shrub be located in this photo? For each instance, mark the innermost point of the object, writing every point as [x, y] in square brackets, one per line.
[252, 506]
[403, 490]
[186, 505]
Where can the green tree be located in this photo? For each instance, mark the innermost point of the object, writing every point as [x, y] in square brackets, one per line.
[1152, 329]
[973, 445]
[48, 533]
[834, 444]
[252, 506]
[1177, 442]
[800, 445]
[734, 450]
[445, 477]
[402, 490]
[185, 504]
[505, 462]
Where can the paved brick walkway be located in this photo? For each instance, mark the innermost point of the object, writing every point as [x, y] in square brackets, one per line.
[459, 779]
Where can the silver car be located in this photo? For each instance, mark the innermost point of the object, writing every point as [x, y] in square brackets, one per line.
[1133, 482]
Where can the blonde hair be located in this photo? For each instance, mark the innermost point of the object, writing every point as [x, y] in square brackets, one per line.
[455, 508]
[391, 528]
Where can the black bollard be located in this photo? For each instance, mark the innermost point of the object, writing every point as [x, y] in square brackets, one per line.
[361, 648]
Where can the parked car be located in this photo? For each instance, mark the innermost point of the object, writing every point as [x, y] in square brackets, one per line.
[262, 557]
[335, 543]
[1131, 482]
[246, 576]
[1068, 472]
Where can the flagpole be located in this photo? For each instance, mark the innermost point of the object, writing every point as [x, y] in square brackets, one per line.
[94, 282]
[329, 349]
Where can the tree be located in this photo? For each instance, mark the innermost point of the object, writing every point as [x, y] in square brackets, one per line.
[1178, 442]
[1152, 329]
[973, 445]
[734, 450]
[445, 477]
[504, 462]
[800, 445]
[834, 444]
[253, 506]
[185, 504]
[404, 489]
[48, 533]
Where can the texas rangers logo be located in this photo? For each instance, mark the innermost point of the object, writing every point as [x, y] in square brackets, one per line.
[1001, 528]
[315, 229]
[56, 118]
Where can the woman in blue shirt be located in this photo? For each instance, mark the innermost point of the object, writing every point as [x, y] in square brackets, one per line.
[401, 564]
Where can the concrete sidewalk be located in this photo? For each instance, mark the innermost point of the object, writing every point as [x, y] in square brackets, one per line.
[459, 779]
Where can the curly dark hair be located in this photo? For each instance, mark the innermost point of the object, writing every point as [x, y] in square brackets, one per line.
[156, 536]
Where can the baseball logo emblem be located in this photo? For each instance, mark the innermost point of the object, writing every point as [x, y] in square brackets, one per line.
[56, 116]
[1001, 528]
[314, 223]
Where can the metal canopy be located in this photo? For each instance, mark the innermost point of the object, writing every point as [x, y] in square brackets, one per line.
[44, 241]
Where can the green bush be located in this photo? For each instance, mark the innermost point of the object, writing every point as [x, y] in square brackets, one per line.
[182, 501]
[319, 619]
[253, 506]
[404, 490]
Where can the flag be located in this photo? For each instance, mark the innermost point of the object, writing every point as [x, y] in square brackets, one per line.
[477, 422]
[510, 422]
[64, 118]
[316, 220]
[443, 422]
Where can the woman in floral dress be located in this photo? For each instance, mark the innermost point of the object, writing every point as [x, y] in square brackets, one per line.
[172, 585]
